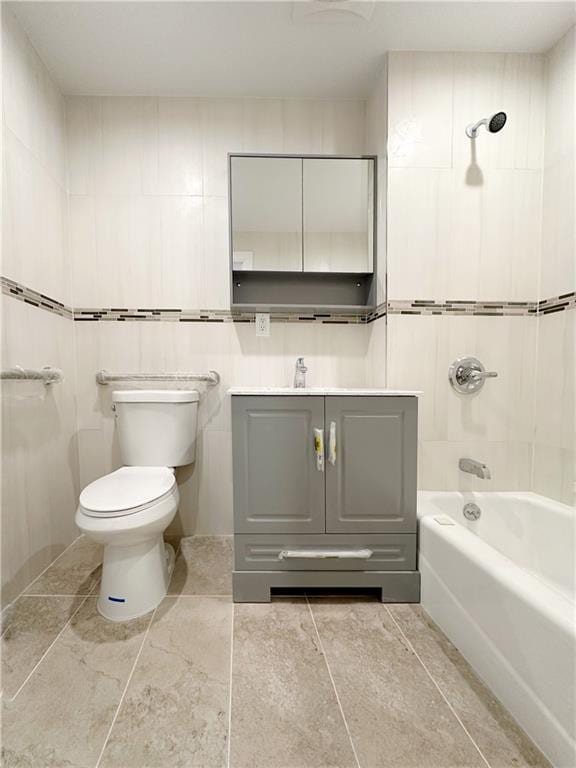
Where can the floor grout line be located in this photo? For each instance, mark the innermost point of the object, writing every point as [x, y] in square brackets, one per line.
[60, 594]
[332, 681]
[35, 579]
[47, 651]
[136, 660]
[230, 693]
[440, 691]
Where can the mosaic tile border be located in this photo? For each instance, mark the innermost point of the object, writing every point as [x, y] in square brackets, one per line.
[115, 314]
[548, 306]
[36, 299]
[557, 303]
[459, 307]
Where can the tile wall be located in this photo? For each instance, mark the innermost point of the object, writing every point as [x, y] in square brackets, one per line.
[464, 235]
[40, 459]
[148, 230]
[554, 451]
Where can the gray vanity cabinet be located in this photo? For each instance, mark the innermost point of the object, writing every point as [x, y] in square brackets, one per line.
[341, 517]
[277, 487]
[371, 483]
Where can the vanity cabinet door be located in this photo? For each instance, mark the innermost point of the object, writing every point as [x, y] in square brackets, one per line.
[371, 475]
[278, 487]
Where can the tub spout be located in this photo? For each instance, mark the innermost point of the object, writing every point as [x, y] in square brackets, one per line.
[473, 467]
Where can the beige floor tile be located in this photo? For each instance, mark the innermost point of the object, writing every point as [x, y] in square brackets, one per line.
[284, 710]
[203, 567]
[74, 573]
[63, 714]
[396, 716]
[29, 626]
[175, 712]
[502, 741]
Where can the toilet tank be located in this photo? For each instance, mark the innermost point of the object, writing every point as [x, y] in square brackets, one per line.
[156, 428]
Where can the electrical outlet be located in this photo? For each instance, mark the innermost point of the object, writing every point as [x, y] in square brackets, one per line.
[262, 324]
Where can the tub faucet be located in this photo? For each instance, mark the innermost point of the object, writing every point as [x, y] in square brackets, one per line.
[473, 467]
[300, 374]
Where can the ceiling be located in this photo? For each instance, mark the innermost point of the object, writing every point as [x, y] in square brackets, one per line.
[223, 48]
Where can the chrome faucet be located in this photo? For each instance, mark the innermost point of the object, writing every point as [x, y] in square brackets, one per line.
[473, 467]
[300, 374]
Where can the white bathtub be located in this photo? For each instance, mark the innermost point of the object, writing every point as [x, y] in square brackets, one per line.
[502, 589]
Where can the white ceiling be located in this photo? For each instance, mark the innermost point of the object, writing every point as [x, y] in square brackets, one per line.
[265, 48]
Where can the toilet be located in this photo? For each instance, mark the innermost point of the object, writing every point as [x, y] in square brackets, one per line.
[128, 510]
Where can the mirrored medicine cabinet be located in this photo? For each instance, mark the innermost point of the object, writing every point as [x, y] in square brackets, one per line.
[302, 232]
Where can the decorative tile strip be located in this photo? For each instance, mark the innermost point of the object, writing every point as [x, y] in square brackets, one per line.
[460, 307]
[34, 298]
[557, 304]
[116, 314]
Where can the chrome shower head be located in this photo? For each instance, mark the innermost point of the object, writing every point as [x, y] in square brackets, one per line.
[493, 124]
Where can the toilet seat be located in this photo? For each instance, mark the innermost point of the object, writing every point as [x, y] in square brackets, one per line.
[127, 491]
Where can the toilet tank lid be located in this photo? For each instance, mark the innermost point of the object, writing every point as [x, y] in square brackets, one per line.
[156, 396]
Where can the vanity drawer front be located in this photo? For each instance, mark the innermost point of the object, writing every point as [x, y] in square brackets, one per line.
[380, 552]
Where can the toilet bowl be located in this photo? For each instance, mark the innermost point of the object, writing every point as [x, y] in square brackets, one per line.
[128, 510]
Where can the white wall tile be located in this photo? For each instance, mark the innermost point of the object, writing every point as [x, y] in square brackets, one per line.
[263, 125]
[221, 133]
[420, 88]
[485, 83]
[33, 108]
[303, 124]
[179, 147]
[33, 223]
[509, 464]
[129, 148]
[555, 372]
[420, 351]
[419, 227]
[41, 486]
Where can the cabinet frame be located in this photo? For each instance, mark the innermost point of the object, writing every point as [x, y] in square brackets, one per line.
[341, 292]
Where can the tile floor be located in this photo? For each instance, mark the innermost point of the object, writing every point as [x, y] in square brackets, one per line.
[302, 682]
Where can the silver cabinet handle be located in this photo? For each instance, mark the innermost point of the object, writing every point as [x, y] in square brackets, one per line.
[332, 444]
[325, 554]
[319, 449]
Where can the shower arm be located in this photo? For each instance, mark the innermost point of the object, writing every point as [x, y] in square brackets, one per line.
[473, 128]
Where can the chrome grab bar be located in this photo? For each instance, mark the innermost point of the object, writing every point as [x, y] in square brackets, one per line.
[47, 375]
[325, 554]
[105, 377]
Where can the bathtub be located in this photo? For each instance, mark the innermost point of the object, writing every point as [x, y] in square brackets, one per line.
[502, 589]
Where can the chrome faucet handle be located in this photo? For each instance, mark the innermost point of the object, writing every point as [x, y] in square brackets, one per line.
[474, 373]
[467, 375]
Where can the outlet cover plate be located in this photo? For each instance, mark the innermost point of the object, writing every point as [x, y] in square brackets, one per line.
[262, 324]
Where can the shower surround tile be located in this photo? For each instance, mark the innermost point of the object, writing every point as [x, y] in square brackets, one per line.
[502, 742]
[63, 714]
[29, 626]
[285, 713]
[175, 710]
[394, 712]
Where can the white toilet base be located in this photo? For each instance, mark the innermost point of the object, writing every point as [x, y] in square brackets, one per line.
[135, 578]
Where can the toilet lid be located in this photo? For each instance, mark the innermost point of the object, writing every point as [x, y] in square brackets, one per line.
[127, 488]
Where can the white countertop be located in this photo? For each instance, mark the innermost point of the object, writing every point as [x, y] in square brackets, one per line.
[341, 392]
